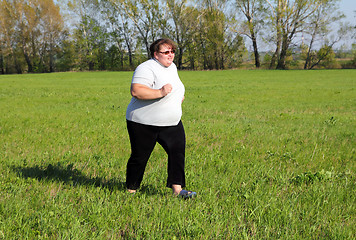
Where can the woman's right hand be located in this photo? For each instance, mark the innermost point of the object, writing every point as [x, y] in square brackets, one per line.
[166, 89]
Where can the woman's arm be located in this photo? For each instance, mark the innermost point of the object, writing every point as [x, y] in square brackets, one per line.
[143, 92]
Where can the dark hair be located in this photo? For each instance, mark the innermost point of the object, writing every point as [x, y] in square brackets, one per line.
[156, 45]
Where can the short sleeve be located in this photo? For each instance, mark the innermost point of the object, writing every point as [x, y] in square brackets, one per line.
[143, 75]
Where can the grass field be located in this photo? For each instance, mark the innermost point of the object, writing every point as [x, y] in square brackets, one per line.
[271, 155]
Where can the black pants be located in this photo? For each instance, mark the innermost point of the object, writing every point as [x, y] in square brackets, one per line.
[143, 139]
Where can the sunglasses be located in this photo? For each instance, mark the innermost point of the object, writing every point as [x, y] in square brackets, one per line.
[168, 52]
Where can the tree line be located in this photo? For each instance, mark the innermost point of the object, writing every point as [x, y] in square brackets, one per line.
[78, 35]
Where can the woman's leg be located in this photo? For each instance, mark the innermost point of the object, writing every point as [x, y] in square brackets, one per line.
[143, 140]
[172, 140]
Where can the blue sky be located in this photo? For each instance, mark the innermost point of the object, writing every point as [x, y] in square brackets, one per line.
[348, 7]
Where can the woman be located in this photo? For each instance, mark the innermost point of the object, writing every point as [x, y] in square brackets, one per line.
[154, 115]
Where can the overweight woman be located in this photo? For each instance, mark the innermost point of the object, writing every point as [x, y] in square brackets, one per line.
[154, 116]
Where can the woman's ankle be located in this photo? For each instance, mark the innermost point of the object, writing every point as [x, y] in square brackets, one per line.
[176, 189]
[131, 190]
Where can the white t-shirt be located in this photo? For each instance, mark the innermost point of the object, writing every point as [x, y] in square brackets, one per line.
[166, 111]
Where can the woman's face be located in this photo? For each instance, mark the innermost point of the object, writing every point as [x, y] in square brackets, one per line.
[165, 55]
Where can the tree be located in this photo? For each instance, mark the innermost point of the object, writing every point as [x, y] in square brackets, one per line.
[90, 43]
[288, 19]
[66, 58]
[147, 17]
[8, 39]
[353, 61]
[34, 28]
[90, 36]
[213, 32]
[51, 26]
[183, 25]
[318, 28]
[122, 30]
[116, 34]
[28, 31]
[253, 10]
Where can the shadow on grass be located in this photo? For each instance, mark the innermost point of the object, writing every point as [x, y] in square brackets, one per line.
[68, 175]
[71, 176]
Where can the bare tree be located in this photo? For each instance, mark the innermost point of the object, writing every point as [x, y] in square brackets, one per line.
[253, 10]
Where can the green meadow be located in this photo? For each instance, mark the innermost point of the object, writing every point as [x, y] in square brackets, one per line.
[271, 155]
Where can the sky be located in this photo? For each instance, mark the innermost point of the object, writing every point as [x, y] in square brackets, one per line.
[348, 7]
